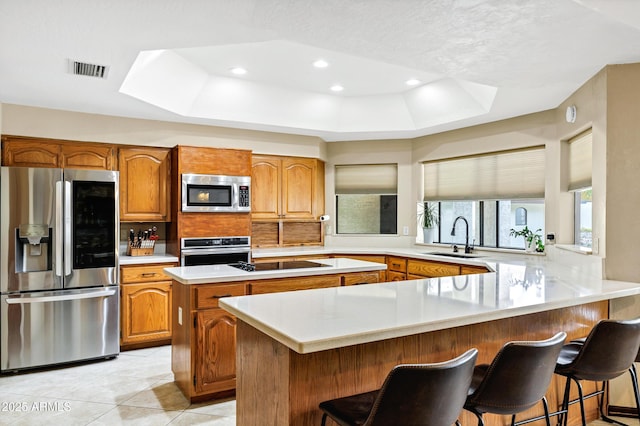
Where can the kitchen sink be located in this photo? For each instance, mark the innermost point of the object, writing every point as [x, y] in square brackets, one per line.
[449, 254]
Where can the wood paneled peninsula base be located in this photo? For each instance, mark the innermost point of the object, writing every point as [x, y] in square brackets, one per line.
[296, 349]
[203, 357]
[279, 386]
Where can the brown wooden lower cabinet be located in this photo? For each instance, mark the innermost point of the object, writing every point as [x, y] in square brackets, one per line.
[203, 356]
[145, 296]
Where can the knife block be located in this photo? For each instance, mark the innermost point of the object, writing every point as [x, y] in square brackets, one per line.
[141, 251]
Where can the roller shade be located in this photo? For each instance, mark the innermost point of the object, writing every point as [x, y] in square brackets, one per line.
[580, 161]
[497, 175]
[367, 179]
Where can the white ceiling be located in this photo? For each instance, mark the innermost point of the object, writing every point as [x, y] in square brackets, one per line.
[478, 60]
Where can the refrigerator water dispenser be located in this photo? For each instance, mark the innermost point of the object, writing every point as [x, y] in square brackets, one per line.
[33, 251]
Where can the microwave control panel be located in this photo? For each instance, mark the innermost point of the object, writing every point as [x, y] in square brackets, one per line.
[244, 196]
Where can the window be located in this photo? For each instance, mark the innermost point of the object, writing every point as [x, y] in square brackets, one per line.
[494, 192]
[580, 171]
[366, 199]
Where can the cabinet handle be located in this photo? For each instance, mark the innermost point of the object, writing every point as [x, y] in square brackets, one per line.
[149, 274]
[218, 297]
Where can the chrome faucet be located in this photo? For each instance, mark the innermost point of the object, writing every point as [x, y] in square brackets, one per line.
[467, 248]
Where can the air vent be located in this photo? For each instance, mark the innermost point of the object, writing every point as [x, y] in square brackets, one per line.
[86, 69]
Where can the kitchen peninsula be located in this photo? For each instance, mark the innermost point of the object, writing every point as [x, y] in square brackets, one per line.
[297, 349]
[203, 352]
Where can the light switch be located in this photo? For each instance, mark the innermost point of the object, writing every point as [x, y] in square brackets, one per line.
[405, 230]
[179, 315]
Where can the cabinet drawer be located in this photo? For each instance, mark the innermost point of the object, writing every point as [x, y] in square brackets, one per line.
[207, 296]
[432, 269]
[361, 278]
[290, 284]
[397, 264]
[144, 273]
[468, 269]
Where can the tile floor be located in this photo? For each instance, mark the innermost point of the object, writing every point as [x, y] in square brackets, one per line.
[134, 388]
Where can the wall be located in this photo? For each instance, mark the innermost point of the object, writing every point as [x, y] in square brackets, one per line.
[56, 124]
[373, 152]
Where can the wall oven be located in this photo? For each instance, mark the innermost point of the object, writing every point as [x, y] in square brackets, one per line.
[214, 250]
[216, 193]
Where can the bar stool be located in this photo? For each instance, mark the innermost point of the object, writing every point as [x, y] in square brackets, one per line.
[607, 352]
[412, 394]
[516, 380]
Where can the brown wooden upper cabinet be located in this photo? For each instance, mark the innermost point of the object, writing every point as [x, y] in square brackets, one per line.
[145, 176]
[20, 151]
[288, 188]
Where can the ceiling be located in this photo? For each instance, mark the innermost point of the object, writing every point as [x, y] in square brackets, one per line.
[477, 60]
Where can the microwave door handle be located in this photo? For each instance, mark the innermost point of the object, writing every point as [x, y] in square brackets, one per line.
[58, 230]
[234, 196]
[67, 228]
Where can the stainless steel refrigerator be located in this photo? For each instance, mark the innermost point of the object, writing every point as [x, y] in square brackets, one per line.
[59, 237]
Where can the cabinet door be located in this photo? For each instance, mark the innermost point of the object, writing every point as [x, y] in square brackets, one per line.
[146, 312]
[396, 276]
[358, 278]
[265, 187]
[23, 153]
[87, 156]
[215, 351]
[299, 188]
[145, 176]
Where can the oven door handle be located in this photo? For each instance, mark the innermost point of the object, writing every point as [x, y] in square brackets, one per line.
[215, 251]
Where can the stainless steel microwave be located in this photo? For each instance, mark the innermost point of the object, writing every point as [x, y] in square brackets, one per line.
[216, 193]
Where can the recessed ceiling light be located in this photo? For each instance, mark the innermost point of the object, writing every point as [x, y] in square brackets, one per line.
[238, 71]
[321, 63]
[413, 82]
[337, 88]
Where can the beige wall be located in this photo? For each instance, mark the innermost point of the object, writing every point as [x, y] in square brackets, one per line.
[56, 124]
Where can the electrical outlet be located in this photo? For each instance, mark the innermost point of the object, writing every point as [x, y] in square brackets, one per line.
[405, 230]
[179, 315]
[595, 248]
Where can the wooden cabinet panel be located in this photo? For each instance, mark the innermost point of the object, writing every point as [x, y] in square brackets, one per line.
[298, 188]
[209, 295]
[291, 284]
[145, 176]
[431, 269]
[265, 187]
[21, 151]
[146, 312]
[396, 276]
[365, 257]
[397, 264]
[357, 278]
[470, 269]
[145, 308]
[86, 156]
[144, 273]
[214, 351]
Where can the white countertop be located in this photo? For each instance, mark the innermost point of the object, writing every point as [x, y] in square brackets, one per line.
[207, 274]
[314, 320]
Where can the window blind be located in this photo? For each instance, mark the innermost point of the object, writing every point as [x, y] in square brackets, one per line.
[366, 179]
[580, 161]
[498, 175]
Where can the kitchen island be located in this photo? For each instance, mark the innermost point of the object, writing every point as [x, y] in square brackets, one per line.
[295, 350]
[203, 353]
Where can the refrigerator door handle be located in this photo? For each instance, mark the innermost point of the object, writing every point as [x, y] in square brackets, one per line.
[89, 295]
[58, 230]
[67, 228]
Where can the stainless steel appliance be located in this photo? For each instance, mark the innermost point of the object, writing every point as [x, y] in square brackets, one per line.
[216, 193]
[214, 250]
[59, 237]
[277, 266]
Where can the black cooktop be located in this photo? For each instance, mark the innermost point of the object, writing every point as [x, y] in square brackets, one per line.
[275, 266]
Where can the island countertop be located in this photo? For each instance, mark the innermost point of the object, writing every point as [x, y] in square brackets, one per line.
[315, 320]
[207, 274]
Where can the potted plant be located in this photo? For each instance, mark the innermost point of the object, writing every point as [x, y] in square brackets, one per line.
[532, 240]
[428, 220]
